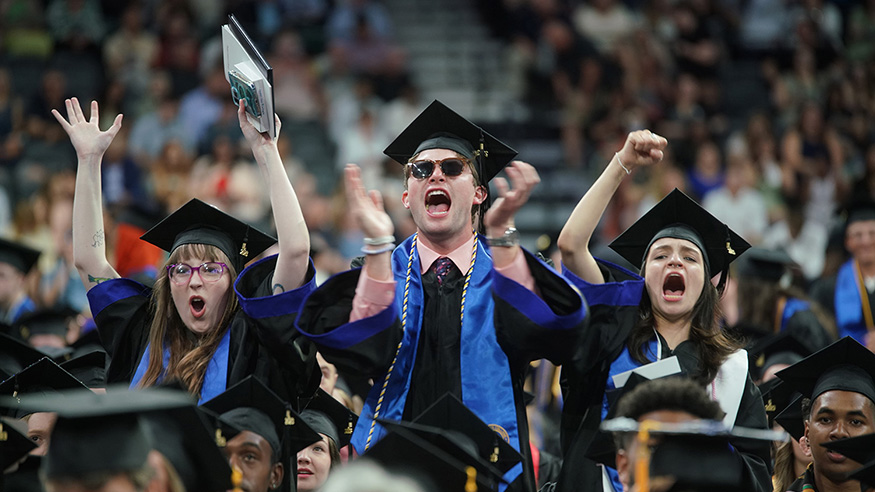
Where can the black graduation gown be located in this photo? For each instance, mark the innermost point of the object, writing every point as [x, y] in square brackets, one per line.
[263, 338]
[437, 367]
[613, 314]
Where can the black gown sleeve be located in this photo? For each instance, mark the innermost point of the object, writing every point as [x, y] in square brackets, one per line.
[531, 327]
[365, 347]
[121, 314]
[272, 318]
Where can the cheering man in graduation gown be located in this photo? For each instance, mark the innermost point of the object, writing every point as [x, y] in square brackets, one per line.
[422, 326]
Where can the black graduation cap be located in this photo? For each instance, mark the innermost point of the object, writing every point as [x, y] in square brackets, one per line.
[777, 348]
[791, 417]
[450, 414]
[14, 445]
[776, 396]
[98, 432]
[183, 436]
[865, 474]
[45, 322]
[679, 216]
[860, 448]
[697, 453]
[42, 377]
[15, 355]
[250, 405]
[439, 127]
[433, 459]
[197, 222]
[325, 415]
[843, 365]
[22, 257]
[89, 368]
[763, 263]
[858, 210]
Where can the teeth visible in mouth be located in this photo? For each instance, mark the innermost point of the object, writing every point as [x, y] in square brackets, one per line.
[436, 193]
[437, 202]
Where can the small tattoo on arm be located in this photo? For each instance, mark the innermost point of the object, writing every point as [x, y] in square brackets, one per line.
[97, 280]
[97, 239]
[278, 288]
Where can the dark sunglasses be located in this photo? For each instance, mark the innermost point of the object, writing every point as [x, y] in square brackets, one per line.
[451, 166]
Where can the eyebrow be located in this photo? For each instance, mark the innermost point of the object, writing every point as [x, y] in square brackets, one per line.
[856, 413]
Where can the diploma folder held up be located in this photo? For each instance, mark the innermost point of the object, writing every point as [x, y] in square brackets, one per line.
[250, 76]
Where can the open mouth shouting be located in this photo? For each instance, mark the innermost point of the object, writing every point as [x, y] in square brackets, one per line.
[198, 306]
[673, 287]
[437, 203]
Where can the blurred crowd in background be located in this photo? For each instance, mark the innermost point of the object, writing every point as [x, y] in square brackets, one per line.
[768, 106]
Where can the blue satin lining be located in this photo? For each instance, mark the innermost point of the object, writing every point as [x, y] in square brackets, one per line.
[215, 379]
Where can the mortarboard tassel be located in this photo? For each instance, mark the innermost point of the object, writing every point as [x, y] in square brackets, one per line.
[289, 420]
[471, 483]
[243, 251]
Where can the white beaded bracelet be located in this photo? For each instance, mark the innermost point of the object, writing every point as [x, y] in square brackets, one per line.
[388, 247]
[617, 155]
[377, 241]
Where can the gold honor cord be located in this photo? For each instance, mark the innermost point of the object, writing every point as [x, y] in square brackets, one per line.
[642, 456]
[864, 298]
[404, 326]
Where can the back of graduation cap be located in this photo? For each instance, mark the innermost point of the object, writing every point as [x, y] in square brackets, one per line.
[98, 432]
[438, 460]
[450, 414]
[844, 365]
[791, 417]
[782, 348]
[21, 257]
[696, 454]
[767, 264]
[183, 437]
[15, 355]
[14, 445]
[251, 406]
[777, 395]
[51, 321]
[439, 127]
[679, 216]
[325, 415]
[43, 377]
[197, 222]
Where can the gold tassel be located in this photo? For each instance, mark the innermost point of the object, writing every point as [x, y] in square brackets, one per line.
[493, 458]
[220, 439]
[471, 483]
[289, 420]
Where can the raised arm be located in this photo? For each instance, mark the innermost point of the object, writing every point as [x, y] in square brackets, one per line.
[292, 234]
[368, 212]
[641, 148]
[500, 215]
[89, 236]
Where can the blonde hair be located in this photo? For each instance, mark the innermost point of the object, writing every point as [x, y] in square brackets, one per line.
[189, 355]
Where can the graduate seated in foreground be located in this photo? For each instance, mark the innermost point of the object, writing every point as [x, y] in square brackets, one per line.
[839, 383]
[447, 310]
[259, 433]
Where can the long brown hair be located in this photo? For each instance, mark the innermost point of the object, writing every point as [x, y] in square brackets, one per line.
[759, 305]
[713, 344]
[189, 354]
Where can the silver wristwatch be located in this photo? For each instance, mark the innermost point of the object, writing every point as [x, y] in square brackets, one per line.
[510, 238]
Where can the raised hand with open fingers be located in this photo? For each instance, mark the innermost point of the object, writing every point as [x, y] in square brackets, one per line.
[365, 206]
[523, 178]
[85, 134]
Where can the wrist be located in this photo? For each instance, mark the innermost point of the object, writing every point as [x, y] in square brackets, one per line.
[505, 238]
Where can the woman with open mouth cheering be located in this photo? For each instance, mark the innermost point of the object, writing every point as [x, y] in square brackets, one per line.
[665, 310]
[201, 324]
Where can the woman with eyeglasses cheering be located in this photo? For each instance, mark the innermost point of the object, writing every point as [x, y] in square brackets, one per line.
[207, 322]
